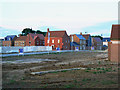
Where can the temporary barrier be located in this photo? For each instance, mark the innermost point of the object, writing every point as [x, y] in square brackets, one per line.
[13, 49]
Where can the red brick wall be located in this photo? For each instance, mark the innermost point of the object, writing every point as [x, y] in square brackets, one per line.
[33, 42]
[7, 43]
[66, 42]
[55, 42]
[113, 52]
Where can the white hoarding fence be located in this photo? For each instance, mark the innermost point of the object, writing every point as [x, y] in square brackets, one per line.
[25, 49]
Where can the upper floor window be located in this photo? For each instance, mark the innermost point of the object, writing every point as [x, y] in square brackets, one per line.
[53, 41]
[29, 42]
[47, 41]
[80, 41]
[58, 40]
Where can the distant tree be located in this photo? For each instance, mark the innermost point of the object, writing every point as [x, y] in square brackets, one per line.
[26, 31]
[38, 32]
[29, 30]
[98, 36]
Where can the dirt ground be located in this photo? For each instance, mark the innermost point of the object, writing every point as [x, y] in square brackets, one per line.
[16, 71]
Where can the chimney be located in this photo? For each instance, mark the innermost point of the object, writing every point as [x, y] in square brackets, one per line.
[47, 29]
[19, 35]
[80, 33]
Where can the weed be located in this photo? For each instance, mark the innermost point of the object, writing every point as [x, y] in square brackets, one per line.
[99, 62]
[98, 68]
[64, 71]
[45, 86]
[94, 72]
[88, 69]
[22, 78]
[75, 81]
[12, 81]
[108, 82]
[86, 79]
[69, 86]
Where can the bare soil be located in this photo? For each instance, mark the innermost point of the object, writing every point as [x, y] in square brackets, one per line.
[17, 75]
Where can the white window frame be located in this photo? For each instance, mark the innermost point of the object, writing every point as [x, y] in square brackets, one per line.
[52, 40]
[48, 41]
[58, 40]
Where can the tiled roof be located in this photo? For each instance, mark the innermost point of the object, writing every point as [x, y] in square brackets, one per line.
[115, 31]
[97, 39]
[21, 38]
[80, 36]
[86, 36]
[74, 44]
[56, 33]
[34, 36]
[106, 39]
[9, 36]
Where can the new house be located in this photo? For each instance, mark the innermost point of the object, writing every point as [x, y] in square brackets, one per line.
[57, 39]
[79, 39]
[96, 43]
[114, 44]
[88, 40]
[21, 41]
[9, 40]
[30, 40]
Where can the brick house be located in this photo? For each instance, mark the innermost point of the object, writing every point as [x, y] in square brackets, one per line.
[35, 40]
[21, 41]
[9, 40]
[74, 46]
[58, 39]
[88, 40]
[114, 44]
[30, 40]
[97, 43]
[79, 39]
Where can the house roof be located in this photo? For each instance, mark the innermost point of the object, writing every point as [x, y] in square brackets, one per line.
[86, 36]
[34, 36]
[106, 39]
[115, 31]
[9, 36]
[21, 38]
[80, 36]
[56, 33]
[74, 44]
[97, 39]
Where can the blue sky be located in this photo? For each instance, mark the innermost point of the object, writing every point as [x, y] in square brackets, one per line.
[95, 17]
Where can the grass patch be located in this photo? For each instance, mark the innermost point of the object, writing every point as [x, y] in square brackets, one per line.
[108, 82]
[69, 86]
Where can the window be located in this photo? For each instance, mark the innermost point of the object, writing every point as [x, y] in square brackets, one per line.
[53, 41]
[29, 42]
[58, 40]
[37, 42]
[66, 41]
[84, 41]
[80, 41]
[23, 43]
[47, 41]
[9, 38]
[66, 46]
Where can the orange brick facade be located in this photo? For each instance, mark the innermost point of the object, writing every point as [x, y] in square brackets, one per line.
[113, 52]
